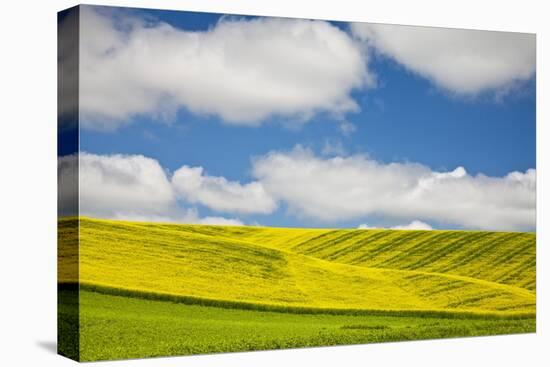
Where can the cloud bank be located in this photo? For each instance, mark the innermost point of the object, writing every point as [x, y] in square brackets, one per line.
[243, 71]
[326, 189]
[465, 62]
[246, 71]
[346, 188]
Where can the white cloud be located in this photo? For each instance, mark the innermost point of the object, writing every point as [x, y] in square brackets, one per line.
[414, 225]
[329, 189]
[244, 71]
[336, 189]
[464, 62]
[129, 184]
[126, 187]
[222, 195]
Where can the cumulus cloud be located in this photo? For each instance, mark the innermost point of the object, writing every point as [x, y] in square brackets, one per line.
[241, 70]
[131, 184]
[329, 189]
[127, 187]
[222, 195]
[342, 188]
[414, 225]
[465, 62]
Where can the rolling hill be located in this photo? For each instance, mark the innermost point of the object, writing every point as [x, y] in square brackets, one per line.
[486, 273]
[143, 287]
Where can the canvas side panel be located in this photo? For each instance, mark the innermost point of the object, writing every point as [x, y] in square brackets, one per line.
[68, 306]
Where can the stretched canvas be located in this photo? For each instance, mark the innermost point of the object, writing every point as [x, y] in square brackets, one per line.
[235, 183]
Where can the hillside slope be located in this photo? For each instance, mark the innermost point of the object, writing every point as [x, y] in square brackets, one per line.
[503, 257]
[332, 269]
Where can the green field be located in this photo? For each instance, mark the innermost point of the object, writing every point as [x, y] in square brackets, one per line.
[151, 289]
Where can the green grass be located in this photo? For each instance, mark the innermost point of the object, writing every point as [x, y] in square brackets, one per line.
[303, 287]
[114, 327]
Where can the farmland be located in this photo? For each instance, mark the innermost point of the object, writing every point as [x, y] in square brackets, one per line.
[249, 288]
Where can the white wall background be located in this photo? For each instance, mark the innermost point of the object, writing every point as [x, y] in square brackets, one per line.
[28, 182]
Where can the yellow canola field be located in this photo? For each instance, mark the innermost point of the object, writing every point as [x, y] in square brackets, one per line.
[486, 272]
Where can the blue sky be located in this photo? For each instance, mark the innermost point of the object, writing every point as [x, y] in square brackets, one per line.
[406, 114]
